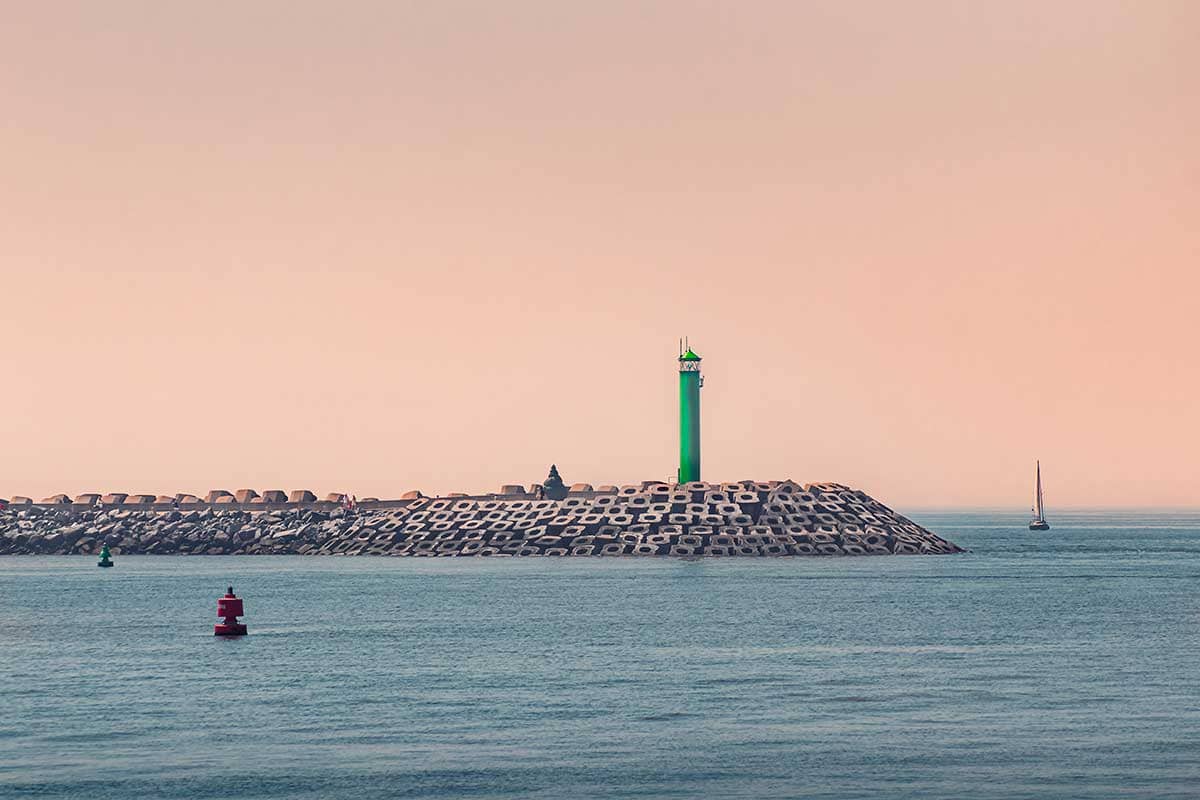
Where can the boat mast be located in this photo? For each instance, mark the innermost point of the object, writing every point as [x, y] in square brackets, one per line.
[1041, 515]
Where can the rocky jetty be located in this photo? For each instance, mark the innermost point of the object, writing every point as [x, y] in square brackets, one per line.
[650, 519]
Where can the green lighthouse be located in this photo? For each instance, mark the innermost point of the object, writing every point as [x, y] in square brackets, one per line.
[690, 382]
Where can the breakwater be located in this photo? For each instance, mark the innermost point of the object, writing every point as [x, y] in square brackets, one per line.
[749, 518]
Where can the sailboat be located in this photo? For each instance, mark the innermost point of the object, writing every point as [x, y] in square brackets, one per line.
[1038, 523]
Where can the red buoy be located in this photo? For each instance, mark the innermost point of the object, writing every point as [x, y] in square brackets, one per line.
[229, 607]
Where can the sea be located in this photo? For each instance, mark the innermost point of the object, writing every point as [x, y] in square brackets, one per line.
[1059, 664]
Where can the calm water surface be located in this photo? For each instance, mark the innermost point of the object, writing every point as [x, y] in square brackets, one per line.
[1060, 664]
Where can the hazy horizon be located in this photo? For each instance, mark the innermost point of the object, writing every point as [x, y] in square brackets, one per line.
[383, 247]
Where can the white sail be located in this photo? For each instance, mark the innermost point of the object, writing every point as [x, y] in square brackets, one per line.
[1038, 509]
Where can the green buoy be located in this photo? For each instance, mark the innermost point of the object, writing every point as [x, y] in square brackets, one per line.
[105, 558]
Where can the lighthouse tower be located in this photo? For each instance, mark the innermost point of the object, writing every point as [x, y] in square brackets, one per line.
[690, 382]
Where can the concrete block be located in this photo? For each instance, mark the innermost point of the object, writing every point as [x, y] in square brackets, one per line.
[302, 496]
[245, 495]
[116, 498]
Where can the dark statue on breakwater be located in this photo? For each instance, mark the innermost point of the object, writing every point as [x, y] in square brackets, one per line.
[554, 488]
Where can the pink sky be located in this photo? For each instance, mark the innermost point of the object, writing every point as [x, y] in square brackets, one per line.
[382, 246]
